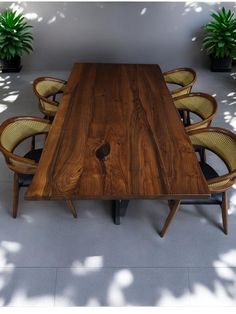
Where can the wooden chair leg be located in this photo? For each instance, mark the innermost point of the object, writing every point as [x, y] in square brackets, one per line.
[188, 120]
[202, 154]
[174, 206]
[224, 210]
[72, 208]
[32, 143]
[15, 195]
[184, 117]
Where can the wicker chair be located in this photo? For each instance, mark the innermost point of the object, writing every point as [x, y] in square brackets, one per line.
[47, 89]
[183, 77]
[13, 132]
[223, 143]
[200, 104]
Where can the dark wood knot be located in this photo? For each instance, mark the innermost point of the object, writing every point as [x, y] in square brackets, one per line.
[103, 151]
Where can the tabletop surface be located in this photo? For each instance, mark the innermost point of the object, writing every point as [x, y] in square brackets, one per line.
[117, 135]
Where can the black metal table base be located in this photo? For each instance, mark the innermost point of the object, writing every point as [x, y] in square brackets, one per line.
[119, 208]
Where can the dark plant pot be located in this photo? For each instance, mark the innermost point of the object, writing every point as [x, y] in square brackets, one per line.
[221, 64]
[13, 65]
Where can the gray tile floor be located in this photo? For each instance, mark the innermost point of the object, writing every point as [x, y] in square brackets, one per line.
[47, 258]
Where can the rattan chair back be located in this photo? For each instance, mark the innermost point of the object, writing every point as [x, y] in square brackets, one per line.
[46, 89]
[201, 104]
[223, 143]
[15, 130]
[12, 132]
[183, 77]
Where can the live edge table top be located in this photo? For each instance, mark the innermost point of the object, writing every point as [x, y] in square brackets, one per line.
[117, 135]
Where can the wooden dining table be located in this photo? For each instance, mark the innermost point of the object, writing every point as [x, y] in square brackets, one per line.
[117, 136]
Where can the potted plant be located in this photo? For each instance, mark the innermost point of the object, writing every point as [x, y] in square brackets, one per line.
[220, 40]
[15, 39]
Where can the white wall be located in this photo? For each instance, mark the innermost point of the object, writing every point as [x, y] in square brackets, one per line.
[168, 33]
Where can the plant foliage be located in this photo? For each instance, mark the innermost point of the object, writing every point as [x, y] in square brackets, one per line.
[220, 39]
[15, 38]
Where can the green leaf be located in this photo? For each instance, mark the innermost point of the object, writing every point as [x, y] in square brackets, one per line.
[216, 17]
[15, 37]
[220, 38]
[12, 50]
[221, 44]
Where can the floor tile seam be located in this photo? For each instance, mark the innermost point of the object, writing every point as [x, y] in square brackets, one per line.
[11, 110]
[188, 285]
[188, 268]
[55, 289]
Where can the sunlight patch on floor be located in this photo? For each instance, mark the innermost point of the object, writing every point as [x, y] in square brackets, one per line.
[4, 258]
[20, 297]
[232, 201]
[11, 246]
[202, 295]
[90, 264]
[6, 248]
[230, 118]
[31, 16]
[2, 107]
[227, 259]
[225, 273]
[144, 10]
[121, 280]
[27, 218]
[53, 19]
[167, 297]
[11, 98]
[191, 6]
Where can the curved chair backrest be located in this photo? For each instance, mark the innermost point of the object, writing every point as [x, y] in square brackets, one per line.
[223, 143]
[184, 77]
[45, 88]
[201, 104]
[12, 132]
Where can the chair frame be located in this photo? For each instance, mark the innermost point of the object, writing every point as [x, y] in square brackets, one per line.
[184, 87]
[47, 113]
[231, 176]
[28, 166]
[7, 154]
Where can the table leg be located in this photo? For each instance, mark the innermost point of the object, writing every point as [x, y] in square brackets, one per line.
[174, 206]
[119, 208]
[72, 208]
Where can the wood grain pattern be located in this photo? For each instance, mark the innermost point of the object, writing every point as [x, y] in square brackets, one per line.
[117, 135]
